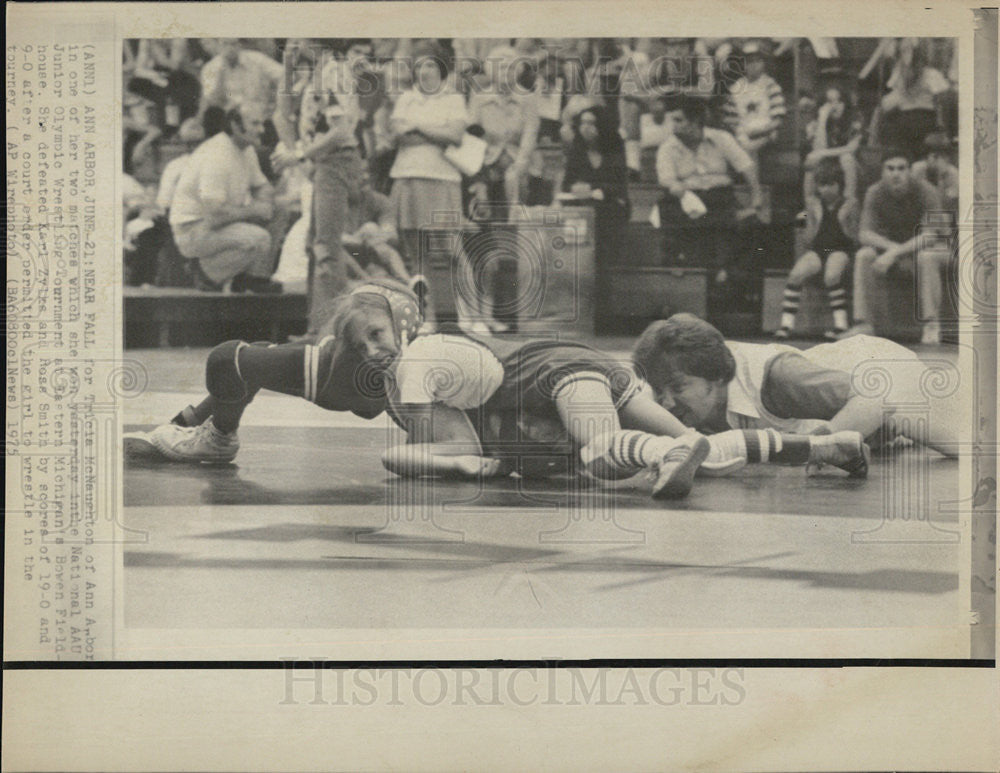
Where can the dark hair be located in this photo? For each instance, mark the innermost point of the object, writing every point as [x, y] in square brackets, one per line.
[670, 349]
[214, 120]
[234, 119]
[894, 151]
[829, 171]
[694, 109]
[429, 47]
[608, 138]
[351, 42]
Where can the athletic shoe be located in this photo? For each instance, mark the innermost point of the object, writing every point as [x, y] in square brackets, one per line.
[258, 285]
[846, 450]
[675, 472]
[833, 335]
[195, 444]
[782, 334]
[931, 334]
[139, 446]
[860, 329]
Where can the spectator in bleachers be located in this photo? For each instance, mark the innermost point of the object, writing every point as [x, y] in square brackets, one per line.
[898, 222]
[936, 168]
[838, 135]
[756, 106]
[153, 248]
[138, 213]
[470, 61]
[140, 135]
[596, 170]
[680, 65]
[510, 121]
[831, 233]
[912, 109]
[191, 134]
[222, 204]
[695, 167]
[633, 90]
[338, 170]
[559, 74]
[427, 118]
[370, 238]
[237, 75]
[164, 73]
[656, 126]
[393, 78]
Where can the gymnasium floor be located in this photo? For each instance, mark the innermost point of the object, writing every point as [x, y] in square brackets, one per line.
[307, 530]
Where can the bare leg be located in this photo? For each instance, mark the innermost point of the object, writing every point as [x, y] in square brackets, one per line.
[863, 276]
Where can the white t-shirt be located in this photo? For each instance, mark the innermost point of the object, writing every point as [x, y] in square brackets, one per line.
[652, 134]
[448, 369]
[217, 173]
[169, 179]
[427, 161]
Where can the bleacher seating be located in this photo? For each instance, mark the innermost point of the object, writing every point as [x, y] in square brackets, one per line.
[173, 316]
[655, 292]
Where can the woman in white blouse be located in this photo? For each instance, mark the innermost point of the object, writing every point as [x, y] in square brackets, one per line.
[428, 118]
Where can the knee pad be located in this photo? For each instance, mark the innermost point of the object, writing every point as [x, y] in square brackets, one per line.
[222, 373]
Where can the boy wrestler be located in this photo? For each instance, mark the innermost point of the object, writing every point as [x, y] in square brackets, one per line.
[717, 385]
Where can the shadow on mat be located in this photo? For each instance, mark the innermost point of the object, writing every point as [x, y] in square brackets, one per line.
[296, 532]
[474, 556]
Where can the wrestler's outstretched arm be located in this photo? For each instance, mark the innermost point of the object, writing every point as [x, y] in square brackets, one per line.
[441, 441]
[642, 412]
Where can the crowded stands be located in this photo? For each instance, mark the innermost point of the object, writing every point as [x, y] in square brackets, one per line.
[740, 171]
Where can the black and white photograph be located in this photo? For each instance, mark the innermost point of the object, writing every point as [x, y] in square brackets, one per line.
[547, 333]
[501, 385]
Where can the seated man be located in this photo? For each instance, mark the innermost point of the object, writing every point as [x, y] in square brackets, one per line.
[899, 219]
[221, 205]
[696, 166]
[937, 170]
[715, 385]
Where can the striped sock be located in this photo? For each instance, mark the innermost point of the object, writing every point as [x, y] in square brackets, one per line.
[769, 445]
[757, 446]
[623, 453]
[838, 304]
[790, 305]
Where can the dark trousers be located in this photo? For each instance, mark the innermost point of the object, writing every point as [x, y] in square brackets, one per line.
[706, 242]
[336, 188]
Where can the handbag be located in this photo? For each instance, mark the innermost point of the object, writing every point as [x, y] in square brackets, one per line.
[468, 157]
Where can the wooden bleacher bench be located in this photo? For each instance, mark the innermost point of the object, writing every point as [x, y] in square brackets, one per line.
[166, 309]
